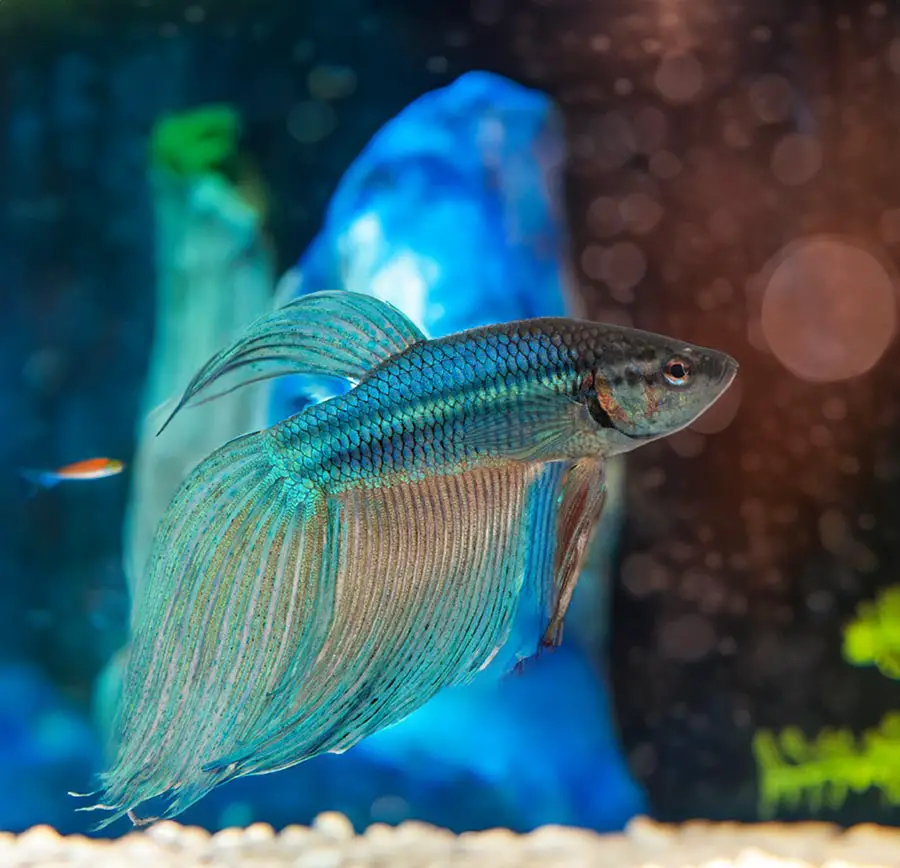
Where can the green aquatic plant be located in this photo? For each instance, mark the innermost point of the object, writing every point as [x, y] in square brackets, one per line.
[873, 636]
[197, 142]
[824, 770]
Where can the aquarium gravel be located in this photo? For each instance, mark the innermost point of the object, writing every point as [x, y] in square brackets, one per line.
[331, 843]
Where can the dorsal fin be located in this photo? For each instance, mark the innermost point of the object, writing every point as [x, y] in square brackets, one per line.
[332, 334]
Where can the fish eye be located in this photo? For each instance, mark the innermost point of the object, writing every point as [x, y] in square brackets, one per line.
[677, 371]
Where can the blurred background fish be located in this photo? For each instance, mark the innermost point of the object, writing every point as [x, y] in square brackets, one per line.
[77, 471]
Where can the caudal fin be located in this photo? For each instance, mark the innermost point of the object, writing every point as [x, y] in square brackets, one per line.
[228, 604]
[34, 481]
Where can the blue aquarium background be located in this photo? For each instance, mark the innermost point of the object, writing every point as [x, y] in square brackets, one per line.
[172, 170]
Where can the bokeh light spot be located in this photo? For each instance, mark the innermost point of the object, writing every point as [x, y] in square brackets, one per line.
[687, 638]
[613, 141]
[796, 159]
[622, 267]
[604, 218]
[771, 97]
[679, 78]
[331, 82]
[828, 309]
[311, 121]
[640, 212]
[665, 165]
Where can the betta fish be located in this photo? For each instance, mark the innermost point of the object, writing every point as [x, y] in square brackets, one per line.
[317, 581]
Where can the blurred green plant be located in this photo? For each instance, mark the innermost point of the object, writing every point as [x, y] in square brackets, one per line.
[872, 638]
[207, 141]
[197, 142]
[824, 770]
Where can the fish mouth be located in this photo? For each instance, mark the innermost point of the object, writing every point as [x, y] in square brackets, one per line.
[730, 370]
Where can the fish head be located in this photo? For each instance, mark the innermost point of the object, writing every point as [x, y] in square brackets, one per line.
[643, 386]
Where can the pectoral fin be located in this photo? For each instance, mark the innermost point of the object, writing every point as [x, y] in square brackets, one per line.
[581, 502]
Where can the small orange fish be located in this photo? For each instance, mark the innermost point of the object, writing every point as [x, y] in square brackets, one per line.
[91, 468]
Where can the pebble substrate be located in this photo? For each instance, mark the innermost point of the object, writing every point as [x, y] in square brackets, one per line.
[331, 843]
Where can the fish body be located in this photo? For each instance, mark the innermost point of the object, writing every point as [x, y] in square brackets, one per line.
[315, 582]
[476, 398]
[78, 471]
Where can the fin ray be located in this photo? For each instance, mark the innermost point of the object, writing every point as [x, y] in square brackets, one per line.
[279, 622]
[581, 503]
[449, 553]
[334, 333]
[233, 581]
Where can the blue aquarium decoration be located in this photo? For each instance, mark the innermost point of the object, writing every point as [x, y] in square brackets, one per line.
[452, 212]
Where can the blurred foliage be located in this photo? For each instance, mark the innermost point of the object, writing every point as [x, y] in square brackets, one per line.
[197, 142]
[873, 637]
[208, 140]
[824, 770]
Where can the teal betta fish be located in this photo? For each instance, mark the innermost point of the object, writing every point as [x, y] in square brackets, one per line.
[315, 582]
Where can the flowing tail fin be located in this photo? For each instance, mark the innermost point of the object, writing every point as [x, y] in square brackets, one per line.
[232, 599]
